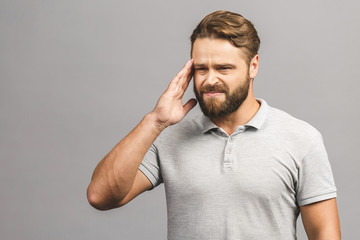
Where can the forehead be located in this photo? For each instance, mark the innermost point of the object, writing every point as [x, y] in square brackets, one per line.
[207, 50]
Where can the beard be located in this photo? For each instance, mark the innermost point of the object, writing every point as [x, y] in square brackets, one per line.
[213, 107]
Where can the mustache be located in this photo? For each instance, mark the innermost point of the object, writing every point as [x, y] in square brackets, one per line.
[214, 88]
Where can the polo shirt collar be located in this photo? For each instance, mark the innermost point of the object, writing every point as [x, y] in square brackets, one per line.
[257, 121]
[208, 124]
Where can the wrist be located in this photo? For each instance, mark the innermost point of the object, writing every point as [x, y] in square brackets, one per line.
[152, 120]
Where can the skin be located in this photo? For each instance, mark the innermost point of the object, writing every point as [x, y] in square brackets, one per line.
[116, 180]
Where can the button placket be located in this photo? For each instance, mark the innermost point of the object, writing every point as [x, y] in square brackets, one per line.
[227, 158]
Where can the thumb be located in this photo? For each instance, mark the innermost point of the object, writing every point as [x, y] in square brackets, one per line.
[189, 105]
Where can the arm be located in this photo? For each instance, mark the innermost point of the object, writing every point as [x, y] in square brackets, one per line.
[321, 220]
[116, 179]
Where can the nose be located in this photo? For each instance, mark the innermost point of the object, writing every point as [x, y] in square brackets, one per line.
[211, 78]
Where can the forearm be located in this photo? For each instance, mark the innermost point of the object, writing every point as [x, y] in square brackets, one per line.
[115, 174]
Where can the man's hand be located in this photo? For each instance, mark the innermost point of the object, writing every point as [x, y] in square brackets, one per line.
[170, 109]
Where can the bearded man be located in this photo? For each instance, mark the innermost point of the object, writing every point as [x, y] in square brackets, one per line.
[240, 170]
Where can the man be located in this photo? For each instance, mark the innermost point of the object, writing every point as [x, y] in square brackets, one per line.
[242, 170]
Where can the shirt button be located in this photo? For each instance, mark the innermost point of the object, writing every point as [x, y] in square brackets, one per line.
[228, 151]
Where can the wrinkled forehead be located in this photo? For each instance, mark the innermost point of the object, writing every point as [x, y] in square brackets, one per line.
[215, 51]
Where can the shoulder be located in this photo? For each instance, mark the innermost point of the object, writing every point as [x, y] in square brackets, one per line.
[288, 124]
[187, 126]
[182, 131]
[293, 132]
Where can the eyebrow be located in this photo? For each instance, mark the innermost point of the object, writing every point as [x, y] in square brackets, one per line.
[215, 65]
[225, 65]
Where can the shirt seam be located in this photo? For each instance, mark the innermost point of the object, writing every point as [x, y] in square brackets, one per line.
[318, 195]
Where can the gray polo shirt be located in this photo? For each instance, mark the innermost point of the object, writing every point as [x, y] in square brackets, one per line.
[245, 186]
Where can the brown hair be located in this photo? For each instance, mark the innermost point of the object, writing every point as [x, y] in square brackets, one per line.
[229, 26]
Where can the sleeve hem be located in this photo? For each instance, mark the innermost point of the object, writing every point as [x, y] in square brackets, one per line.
[317, 198]
[149, 175]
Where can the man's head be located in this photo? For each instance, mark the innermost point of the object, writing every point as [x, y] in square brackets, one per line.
[229, 26]
[224, 48]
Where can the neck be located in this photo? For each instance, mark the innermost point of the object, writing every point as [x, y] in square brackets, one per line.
[241, 116]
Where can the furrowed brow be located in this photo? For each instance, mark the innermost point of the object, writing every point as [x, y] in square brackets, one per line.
[225, 65]
[200, 65]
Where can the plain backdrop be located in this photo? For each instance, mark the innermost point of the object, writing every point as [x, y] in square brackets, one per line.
[77, 76]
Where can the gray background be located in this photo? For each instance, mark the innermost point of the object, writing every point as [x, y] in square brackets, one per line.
[77, 76]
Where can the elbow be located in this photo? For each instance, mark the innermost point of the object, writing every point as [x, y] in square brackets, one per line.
[98, 201]
[94, 199]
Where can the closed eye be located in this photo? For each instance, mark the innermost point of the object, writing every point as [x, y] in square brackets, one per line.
[225, 68]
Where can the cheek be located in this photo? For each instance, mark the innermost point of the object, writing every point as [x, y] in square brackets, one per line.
[197, 81]
[234, 80]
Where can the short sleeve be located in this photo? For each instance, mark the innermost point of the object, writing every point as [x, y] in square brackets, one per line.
[316, 181]
[150, 166]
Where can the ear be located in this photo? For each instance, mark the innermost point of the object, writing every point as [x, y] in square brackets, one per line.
[254, 66]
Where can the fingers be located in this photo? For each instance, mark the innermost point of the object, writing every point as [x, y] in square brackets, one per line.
[184, 75]
[189, 105]
[187, 72]
[180, 82]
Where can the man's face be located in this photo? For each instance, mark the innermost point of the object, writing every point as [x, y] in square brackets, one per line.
[221, 76]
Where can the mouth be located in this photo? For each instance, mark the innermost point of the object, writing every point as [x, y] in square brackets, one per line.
[212, 94]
